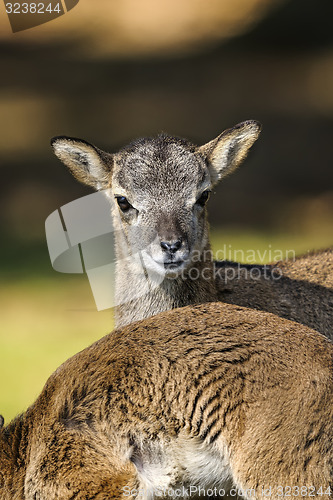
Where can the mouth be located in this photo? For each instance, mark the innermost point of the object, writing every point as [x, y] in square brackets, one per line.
[168, 268]
[174, 265]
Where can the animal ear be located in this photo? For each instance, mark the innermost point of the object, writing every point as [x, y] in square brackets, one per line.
[229, 149]
[88, 164]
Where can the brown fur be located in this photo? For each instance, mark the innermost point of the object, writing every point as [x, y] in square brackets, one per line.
[300, 290]
[187, 397]
[316, 266]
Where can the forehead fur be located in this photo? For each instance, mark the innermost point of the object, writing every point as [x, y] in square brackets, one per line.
[158, 162]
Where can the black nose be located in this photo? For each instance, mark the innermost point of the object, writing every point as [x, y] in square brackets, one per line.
[171, 246]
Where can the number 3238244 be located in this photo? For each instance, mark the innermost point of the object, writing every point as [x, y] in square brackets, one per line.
[32, 8]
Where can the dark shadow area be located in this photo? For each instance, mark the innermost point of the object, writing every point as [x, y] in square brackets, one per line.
[265, 289]
[295, 25]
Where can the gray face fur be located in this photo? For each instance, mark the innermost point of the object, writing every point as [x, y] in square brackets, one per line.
[160, 186]
[163, 180]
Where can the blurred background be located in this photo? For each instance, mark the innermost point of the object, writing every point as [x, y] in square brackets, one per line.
[110, 71]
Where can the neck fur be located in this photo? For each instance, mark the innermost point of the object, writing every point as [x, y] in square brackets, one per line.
[195, 285]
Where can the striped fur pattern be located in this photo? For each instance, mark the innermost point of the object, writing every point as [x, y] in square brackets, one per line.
[207, 396]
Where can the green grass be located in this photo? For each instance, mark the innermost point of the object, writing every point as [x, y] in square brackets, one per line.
[43, 323]
[248, 246]
[47, 317]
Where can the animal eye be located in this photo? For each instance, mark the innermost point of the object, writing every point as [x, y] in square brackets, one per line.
[123, 204]
[203, 198]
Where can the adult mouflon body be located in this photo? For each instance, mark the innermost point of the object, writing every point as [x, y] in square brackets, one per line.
[213, 395]
[158, 189]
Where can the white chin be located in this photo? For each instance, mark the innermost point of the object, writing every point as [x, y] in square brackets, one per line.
[153, 266]
[174, 270]
[159, 267]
